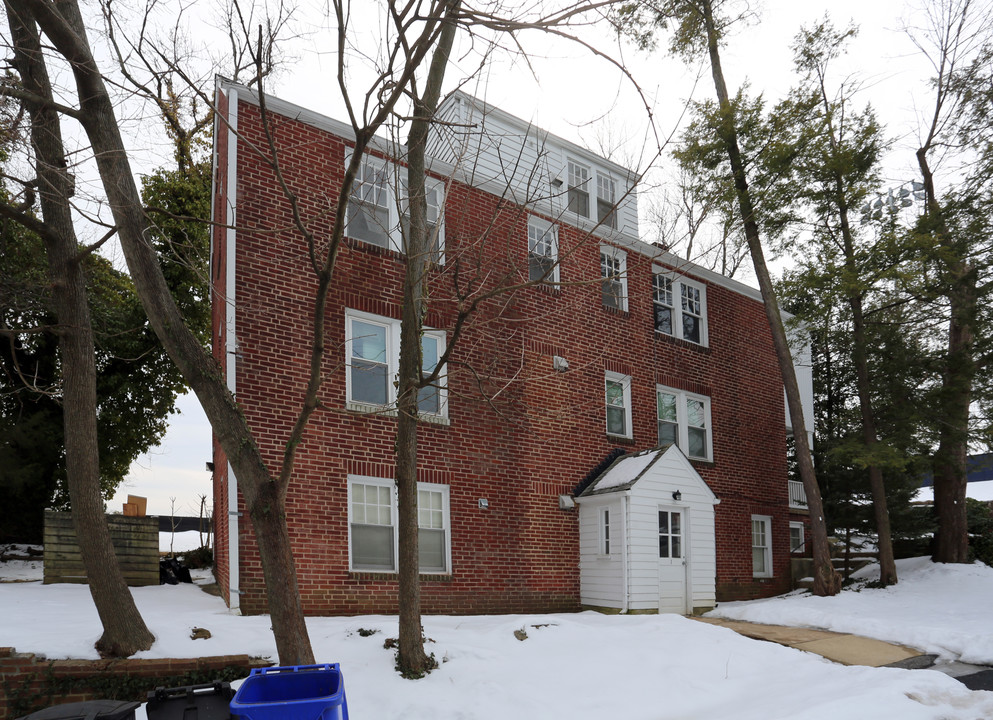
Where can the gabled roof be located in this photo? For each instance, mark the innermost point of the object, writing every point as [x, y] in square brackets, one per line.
[625, 471]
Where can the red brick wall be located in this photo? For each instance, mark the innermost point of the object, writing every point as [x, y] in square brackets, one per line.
[29, 679]
[529, 436]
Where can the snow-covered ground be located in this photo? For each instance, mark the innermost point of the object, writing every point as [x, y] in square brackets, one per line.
[582, 667]
[941, 609]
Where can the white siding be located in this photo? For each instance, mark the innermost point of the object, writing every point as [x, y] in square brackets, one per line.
[601, 579]
[504, 155]
[802, 365]
[653, 490]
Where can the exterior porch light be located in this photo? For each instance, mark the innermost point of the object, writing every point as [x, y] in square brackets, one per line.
[677, 496]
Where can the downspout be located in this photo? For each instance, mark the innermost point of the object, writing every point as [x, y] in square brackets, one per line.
[625, 518]
[231, 349]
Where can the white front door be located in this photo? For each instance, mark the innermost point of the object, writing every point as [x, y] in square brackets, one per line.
[672, 561]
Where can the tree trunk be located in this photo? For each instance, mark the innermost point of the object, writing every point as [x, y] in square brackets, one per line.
[124, 631]
[62, 23]
[826, 580]
[949, 470]
[949, 466]
[887, 564]
[412, 660]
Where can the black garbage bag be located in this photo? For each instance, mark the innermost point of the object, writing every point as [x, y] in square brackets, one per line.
[173, 572]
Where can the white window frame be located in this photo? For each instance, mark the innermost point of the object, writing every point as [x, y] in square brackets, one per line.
[603, 524]
[611, 255]
[438, 187]
[682, 420]
[766, 521]
[443, 490]
[397, 204]
[679, 287]
[580, 186]
[539, 228]
[606, 192]
[796, 525]
[680, 549]
[392, 328]
[625, 382]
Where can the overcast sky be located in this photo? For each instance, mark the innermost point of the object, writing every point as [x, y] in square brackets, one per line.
[586, 100]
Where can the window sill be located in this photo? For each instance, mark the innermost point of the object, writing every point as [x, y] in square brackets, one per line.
[391, 412]
[688, 344]
[615, 311]
[549, 287]
[620, 439]
[390, 252]
[379, 575]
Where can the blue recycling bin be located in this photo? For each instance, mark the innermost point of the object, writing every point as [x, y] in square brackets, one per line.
[292, 692]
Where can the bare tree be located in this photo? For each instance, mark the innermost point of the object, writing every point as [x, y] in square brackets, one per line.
[124, 630]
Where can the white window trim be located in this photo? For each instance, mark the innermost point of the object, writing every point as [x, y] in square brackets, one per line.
[625, 381]
[682, 421]
[795, 525]
[622, 258]
[677, 305]
[589, 187]
[767, 520]
[385, 482]
[603, 525]
[544, 226]
[592, 189]
[610, 221]
[392, 367]
[396, 202]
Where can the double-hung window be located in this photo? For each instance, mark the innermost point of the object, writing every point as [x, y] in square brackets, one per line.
[591, 194]
[606, 198]
[797, 537]
[613, 274]
[578, 194]
[372, 356]
[369, 204]
[543, 250]
[372, 526]
[761, 546]
[618, 404]
[379, 210]
[684, 421]
[680, 307]
[434, 193]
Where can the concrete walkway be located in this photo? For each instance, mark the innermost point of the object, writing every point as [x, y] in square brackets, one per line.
[837, 647]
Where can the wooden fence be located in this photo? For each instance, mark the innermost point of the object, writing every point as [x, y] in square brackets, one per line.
[136, 542]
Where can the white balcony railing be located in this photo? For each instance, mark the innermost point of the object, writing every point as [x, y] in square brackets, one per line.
[798, 496]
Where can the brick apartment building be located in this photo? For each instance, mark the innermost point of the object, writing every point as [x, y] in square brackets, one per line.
[623, 348]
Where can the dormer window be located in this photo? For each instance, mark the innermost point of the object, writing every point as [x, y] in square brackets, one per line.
[606, 199]
[579, 189]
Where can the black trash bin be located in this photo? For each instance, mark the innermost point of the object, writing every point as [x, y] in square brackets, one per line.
[87, 710]
[192, 702]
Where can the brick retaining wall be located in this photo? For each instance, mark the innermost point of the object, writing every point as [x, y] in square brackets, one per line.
[30, 682]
